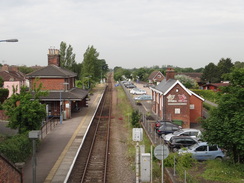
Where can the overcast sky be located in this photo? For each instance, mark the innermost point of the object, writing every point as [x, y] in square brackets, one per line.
[126, 33]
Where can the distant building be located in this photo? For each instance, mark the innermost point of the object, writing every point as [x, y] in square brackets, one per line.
[173, 101]
[155, 77]
[215, 86]
[12, 78]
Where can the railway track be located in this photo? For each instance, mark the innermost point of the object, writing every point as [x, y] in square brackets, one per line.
[91, 162]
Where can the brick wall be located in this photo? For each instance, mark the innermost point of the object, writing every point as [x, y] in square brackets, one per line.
[50, 84]
[8, 172]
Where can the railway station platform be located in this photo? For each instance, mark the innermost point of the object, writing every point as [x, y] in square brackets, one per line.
[57, 150]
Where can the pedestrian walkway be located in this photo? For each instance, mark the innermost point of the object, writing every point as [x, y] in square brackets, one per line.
[58, 149]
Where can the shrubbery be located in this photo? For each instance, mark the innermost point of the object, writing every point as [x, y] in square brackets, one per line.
[208, 94]
[16, 148]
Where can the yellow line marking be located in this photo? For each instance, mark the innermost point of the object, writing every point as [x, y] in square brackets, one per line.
[61, 157]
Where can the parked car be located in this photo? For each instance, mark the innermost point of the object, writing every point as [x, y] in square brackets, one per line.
[177, 142]
[130, 86]
[167, 128]
[202, 151]
[162, 122]
[146, 85]
[143, 97]
[133, 90]
[191, 132]
[139, 92]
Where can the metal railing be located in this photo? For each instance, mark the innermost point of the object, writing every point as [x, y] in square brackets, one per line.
[48, 126]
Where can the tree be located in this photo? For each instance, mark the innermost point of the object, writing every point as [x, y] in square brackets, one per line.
[224, 66]
[67, 57]
[210, 73]
[89, 62]
[26, 70]
[239, 64]
[225, 124]
[187, 81]
[1, 82]
[24, 110]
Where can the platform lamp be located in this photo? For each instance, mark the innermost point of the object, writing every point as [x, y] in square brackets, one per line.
[34, 135]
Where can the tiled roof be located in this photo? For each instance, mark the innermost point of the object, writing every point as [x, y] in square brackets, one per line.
[76, 94]
[12, 75]
[165, 85]
[153, 74]
[52, 71]
[217, 84]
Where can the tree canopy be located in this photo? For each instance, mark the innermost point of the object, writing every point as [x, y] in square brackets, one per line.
[24, 110]
[225, 124]
[67, 57]
[93, 69]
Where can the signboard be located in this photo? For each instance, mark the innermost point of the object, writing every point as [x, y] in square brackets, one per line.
[137, 134]
[161, 152]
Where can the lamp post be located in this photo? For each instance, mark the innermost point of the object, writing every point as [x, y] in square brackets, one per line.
[9, 40]
[61, 115]
[34, 135]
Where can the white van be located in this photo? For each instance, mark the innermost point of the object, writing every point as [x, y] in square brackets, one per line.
[194, 133]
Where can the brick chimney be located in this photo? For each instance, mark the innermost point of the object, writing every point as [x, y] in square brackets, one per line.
[170, 74]
[53, 57]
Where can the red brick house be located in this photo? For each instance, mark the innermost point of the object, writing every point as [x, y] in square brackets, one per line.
[63, 96]
[155, 77]
[173, 101]
[215, 86]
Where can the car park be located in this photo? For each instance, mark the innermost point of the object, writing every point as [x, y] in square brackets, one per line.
[143, 97]
[191, 132]
[177, 142]
[167, 128]
[203, 151]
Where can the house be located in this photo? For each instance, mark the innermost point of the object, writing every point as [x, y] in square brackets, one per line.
[63, 97]
[215, 86]
[12, 78]
[173, 101]
[155, 77]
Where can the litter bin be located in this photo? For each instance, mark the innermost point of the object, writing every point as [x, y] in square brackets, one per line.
[177, 122]
[64, 115]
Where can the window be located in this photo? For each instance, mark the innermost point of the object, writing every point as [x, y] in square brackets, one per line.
[168, 128]
[185, 134]
[213, 148]
[177, 110]
[194, 133]
[201, 148]
[192, 106]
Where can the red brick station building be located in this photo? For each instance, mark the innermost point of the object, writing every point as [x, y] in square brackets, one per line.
[173, 101]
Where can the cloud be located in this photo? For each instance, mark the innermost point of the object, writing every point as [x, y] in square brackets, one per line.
[126, 33]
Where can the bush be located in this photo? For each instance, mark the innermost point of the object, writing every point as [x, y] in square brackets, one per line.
[135, 119]
[208, 94]
[16, 148]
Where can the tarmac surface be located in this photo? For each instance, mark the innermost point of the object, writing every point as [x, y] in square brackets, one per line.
[57, 150]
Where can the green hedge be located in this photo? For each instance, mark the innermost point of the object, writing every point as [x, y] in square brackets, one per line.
[16, 148]
[208, 94]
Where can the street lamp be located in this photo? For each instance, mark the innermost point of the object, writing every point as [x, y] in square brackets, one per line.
[61, 115]
[9, 40]
[34, 135]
